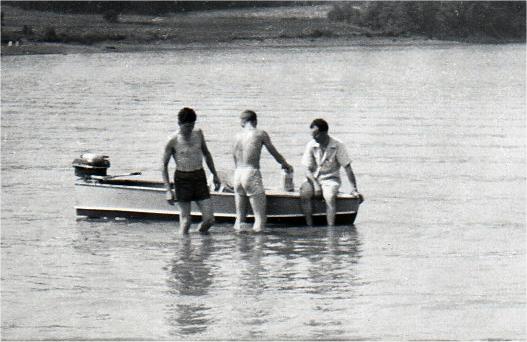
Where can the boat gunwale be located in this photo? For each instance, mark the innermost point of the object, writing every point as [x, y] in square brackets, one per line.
[268, 192]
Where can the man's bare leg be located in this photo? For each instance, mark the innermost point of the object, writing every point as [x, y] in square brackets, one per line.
[207, 215]
[330, 197]
[184, 217]
[306, 194]
[258, 206]
[241, 211]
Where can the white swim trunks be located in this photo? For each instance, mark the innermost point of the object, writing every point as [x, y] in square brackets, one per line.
[330, 187]
[248, 181]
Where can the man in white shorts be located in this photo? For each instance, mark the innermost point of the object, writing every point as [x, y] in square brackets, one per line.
[323, 157]
[248, 185]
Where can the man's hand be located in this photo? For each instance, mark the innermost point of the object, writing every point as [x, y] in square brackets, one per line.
[170, 197]
[216, 181]
[317, 190]
[288, 168]
[355, 193]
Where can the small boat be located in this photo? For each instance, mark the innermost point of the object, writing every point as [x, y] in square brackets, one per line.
[100, 195]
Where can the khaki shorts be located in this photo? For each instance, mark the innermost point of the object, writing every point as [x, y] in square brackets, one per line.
[248, 182]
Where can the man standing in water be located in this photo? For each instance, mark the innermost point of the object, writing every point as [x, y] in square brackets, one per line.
[248, 183]
[188, 148]
[323, 157]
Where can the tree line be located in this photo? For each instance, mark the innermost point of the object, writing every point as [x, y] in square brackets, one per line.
[437, 19]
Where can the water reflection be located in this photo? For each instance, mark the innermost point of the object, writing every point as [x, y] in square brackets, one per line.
[337, 252]
[189, 279]
[253, 282]
[296, 270]
[333, 279]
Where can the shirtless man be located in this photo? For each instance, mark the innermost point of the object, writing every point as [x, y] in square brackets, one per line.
[188, 148]
[248, 183]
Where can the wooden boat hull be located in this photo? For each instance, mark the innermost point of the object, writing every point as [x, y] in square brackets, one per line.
[146, 200]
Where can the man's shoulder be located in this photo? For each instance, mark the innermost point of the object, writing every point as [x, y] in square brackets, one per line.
[261, 133]
[198, 132]
[238, 136]
[336, 142]
[258, 134]
[172, 137]
[310, 144]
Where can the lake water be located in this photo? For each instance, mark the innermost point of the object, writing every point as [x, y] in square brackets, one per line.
[437, 138]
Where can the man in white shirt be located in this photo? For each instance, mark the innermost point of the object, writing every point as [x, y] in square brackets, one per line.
[323, 158]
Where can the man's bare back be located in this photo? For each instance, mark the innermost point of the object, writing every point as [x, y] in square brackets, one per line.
[248, 147]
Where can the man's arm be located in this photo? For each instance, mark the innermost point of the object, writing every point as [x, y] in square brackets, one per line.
[164, 170]
[266, 140]
[311, 178]
[210, 162]
[235, 148]
[310, 165]
[351, 177]
[344, 160]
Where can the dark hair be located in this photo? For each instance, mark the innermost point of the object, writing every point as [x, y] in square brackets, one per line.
[186, 115]
[321, 124]
[248, 115]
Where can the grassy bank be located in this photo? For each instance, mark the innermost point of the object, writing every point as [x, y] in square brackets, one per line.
[49, 32]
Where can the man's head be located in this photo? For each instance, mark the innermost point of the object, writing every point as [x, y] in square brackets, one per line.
[248, 116]
[186, 120]
[319, 129]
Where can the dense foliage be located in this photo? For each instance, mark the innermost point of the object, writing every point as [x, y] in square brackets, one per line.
[438, 19]
[140, 7]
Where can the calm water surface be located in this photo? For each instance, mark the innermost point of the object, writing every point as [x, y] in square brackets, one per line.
[437, 138]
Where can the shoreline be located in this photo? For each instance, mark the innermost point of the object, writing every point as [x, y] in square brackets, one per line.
[242, 43]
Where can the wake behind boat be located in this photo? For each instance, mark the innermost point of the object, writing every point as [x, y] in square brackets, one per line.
[101, 195]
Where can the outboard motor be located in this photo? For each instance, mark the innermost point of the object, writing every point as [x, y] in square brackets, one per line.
[90, 164]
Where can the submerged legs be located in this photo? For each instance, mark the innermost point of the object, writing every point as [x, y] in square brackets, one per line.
[329, 193]
[306, 194]
[331, 207]
[241, 211]
[207, 215]
[184, 217]
[258, 204]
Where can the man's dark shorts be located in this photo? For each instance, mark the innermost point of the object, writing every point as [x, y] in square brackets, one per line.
[191, 186]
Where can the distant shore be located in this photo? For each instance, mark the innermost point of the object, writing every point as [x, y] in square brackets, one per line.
[34, 32]
[123, 47]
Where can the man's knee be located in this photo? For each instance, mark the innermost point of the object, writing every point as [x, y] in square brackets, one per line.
[258, 204]
[330, 194]
[185, 220]
[306, 190]
[207, 211]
